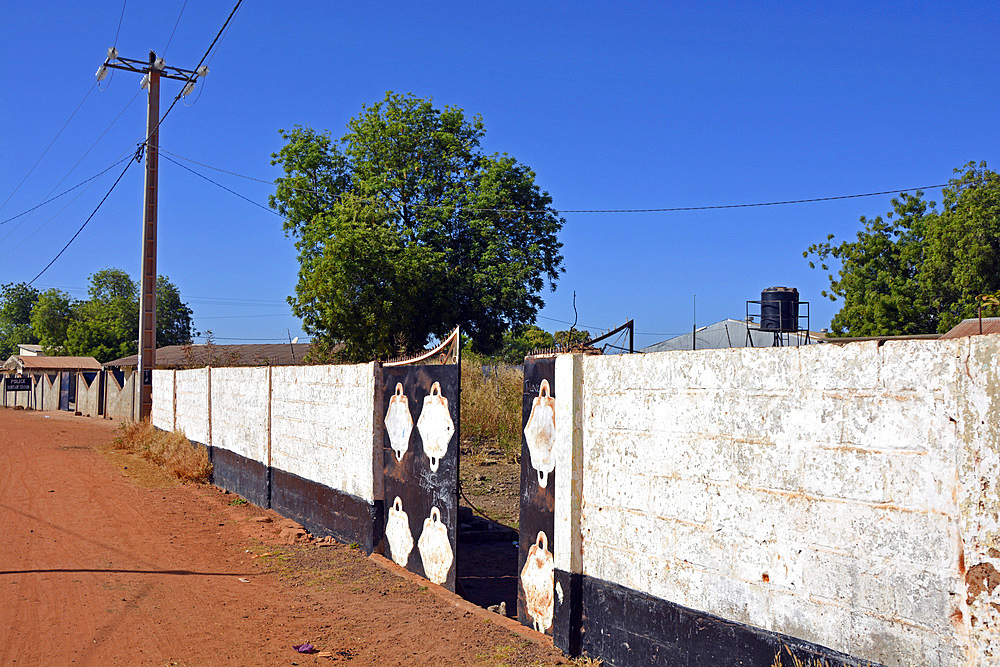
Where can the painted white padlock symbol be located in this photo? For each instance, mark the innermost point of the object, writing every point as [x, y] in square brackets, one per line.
[399, 422]
[435, 548]
[537, 580]
[540, 433]
[435, 426]
[397, 532]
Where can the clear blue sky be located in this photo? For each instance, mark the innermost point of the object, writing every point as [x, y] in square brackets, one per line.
[614, 105]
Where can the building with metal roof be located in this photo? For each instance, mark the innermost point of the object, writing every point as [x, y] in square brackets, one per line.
[31, 365]
[729, 333]
[197, 356]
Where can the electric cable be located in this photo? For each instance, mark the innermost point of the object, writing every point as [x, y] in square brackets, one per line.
[594, 210]
[71, 169]
[233, 192]
[194, 73]
[89, 217]
[181, 13]
[86, 95]
[64, 192]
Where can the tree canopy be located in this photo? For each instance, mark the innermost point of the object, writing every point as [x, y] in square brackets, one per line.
[918, 269]
[16, 303]
[105, 325]
[406, 228]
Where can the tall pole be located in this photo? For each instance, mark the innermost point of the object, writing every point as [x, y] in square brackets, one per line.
[152, 71]
[147, 282]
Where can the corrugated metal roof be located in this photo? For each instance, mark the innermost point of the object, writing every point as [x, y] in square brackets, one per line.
[28, 363]
[190, 356]
[970, 327]
[724, 334]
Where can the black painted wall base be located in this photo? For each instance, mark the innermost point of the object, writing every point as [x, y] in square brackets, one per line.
[626, 628]
[326, 511]
[241, 475]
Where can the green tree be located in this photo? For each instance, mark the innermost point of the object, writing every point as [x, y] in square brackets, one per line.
[519, 344]
[16, 302]
[918, 269]
[106, 325]
[50, 318]
[571, 337]
[405, 228]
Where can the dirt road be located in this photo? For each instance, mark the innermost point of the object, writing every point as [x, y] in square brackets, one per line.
[104, 561]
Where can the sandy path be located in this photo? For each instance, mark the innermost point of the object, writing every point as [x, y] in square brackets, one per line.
[96, 570]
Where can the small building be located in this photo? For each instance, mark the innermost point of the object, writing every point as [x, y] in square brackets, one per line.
[54, 380]
[197, 356]
[730, 333]
[28, 350]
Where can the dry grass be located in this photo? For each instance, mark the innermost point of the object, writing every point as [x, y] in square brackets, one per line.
[797, 661]
[491, 408]
[171, 451]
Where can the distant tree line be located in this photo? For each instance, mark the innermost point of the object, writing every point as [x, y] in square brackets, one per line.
[104, 326]
[919, 269]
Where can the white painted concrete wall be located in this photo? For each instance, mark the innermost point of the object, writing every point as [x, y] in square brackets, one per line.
[240, 411]
[835, 494]
[316, 422]
[162, 413]
[192, 404]
[322, 425]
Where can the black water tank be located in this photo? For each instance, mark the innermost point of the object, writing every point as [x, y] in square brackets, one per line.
[779, 309]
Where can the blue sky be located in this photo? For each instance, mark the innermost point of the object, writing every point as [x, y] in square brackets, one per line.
[614, 105]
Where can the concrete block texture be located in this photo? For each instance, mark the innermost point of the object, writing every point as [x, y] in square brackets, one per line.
[838, 494]
[162, 413]
[192, 402]
[240, 411]
[322, 421]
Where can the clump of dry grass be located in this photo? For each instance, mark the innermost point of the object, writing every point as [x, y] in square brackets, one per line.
[797, 661]
[491, 407]
[171, 451]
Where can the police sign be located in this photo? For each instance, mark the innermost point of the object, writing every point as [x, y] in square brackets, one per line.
[17, 384]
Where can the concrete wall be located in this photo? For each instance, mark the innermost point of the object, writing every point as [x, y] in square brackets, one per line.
[838, 495]
[88, 393]
[120, 399]
[323, 424]
[240, 408]
[162, 413]
[192, 402]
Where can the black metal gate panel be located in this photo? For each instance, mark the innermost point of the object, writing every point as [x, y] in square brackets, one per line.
[535, 564]
[420, 409]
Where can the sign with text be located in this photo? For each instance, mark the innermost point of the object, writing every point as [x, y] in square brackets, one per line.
[17, 384]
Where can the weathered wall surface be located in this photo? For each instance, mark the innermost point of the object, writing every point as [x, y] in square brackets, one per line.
[979, 477]
[323, 423]
[119, 395]
[240, 411]
[192, 404]
[834, 494]
[162, 414]
[88, 392]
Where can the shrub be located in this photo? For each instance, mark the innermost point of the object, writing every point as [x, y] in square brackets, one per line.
[169, 450]
[491, 406]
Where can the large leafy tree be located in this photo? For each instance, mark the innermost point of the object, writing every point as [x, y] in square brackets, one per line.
[406, 228]
[16, 303]
[918, 269]
[106, 325]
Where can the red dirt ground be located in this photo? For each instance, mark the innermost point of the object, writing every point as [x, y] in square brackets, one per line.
[106, 565]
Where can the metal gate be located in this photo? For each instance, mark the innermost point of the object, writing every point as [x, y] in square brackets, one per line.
[535, 564]
[420, 410]
[64, 389]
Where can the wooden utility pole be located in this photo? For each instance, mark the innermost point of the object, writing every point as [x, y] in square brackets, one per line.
[152, 72]
[147, 282]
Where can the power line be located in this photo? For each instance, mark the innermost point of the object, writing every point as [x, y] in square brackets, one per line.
[64, 192]
[672, 209]
[194, 72]
[89, 217]
[120, 17]
[86, 95]
[181, 13]
[216, 183]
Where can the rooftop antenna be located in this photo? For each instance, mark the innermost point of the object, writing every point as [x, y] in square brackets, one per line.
[291, 343]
